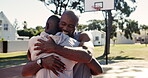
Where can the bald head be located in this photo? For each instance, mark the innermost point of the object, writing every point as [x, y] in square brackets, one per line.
[71, 15]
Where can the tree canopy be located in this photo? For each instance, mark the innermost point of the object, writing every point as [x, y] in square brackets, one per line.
[30, 31]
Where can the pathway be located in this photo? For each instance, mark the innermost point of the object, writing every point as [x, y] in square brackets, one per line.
[118, 69]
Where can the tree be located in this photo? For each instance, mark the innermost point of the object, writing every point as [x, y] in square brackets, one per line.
[131, 27]
[25, 25]
[2, 39]
[128, 27]
[95, 25]
[62, 5]
[81, 27]
[145, 28]
[27, 32]
[39, 30]
[100, 25]
[30, 31]
[123, 10]
[15, 24]
[113, 33]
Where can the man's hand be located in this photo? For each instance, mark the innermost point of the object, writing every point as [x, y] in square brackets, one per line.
[53, 63]
[45, 46]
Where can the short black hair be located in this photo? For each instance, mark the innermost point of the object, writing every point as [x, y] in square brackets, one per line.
[56, 21]
[55, 18]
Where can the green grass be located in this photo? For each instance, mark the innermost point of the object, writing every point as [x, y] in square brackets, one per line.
[12, 59]
[117, 52]
[12, 54]
[124, 52]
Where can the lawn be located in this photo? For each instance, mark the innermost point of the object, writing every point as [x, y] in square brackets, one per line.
[12, 59]
[117, 52]
[124, 52]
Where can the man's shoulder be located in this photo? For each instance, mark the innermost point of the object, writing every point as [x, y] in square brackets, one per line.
[87, 33]
[76, 35]
[85, 36]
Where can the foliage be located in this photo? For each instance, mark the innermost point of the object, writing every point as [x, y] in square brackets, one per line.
[39, 30]
[81, 27]
[95, 25]
[129, 27]
[122, 6]
[123, 9]
[144, 27]
[25, 32]
[113, 31]
[2, 39]
[59, 6]
[25, 25]
[100, 25]
[30, 31]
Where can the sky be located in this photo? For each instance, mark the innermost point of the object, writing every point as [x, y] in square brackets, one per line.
[36, 14]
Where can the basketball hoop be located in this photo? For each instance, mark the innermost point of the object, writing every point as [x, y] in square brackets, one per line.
[98, 8]
[98, 5]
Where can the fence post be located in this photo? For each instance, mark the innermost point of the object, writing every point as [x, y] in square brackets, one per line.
[5, 46]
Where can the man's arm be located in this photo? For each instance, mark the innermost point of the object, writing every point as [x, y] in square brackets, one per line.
[73, 53]
[52, 63]
[30, 69]
[94, 65]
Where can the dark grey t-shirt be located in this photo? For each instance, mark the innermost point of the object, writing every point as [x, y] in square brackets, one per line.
[80, 69]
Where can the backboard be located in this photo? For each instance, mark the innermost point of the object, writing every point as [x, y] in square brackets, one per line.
[95, 5]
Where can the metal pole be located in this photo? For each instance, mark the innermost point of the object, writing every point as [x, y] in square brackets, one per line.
[106, 44]
[108, 30]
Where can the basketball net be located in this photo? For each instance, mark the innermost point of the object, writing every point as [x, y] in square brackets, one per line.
[98, 8]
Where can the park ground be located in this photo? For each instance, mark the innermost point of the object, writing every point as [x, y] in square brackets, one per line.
[124, 61]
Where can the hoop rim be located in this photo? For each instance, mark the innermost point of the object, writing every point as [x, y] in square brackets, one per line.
[98, 8]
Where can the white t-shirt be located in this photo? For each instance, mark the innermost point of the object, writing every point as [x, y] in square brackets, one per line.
[61, 39]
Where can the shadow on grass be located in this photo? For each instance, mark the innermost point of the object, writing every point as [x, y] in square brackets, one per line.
[102, 59]
[12, 61]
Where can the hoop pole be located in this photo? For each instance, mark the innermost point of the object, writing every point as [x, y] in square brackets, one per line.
[108, 21]
[106, 44]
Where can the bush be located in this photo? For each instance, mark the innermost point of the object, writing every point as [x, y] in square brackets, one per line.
[2, 39]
